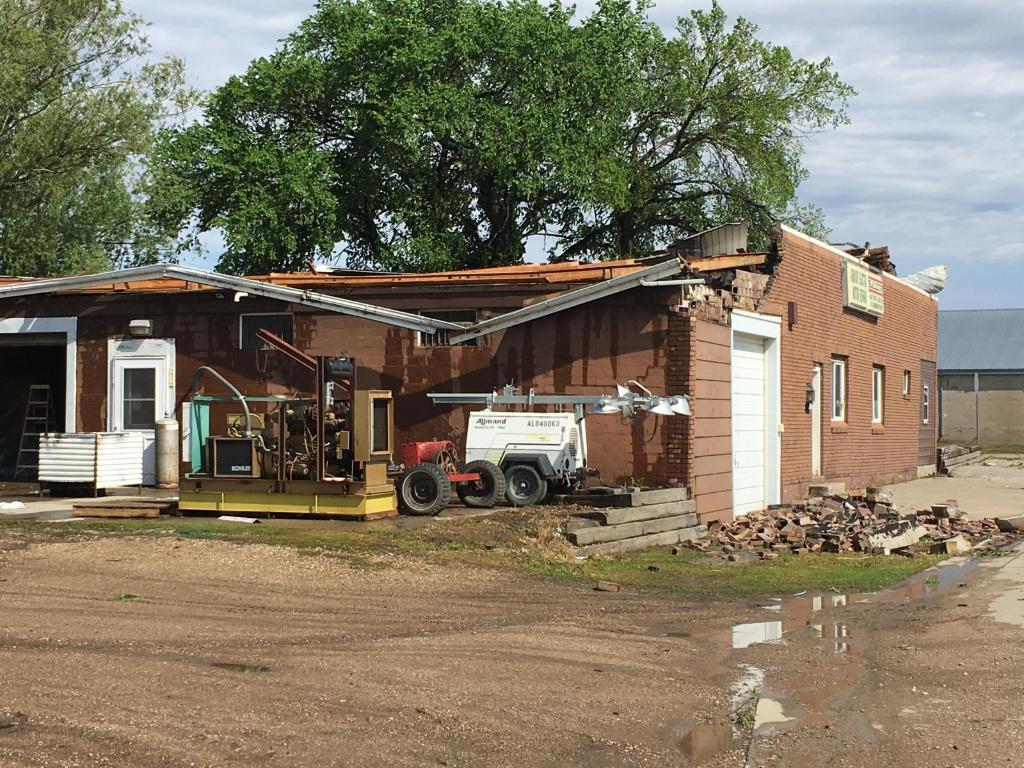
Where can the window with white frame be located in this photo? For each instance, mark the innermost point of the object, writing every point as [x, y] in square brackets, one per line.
[906, 383]
[926, 404]
[281, 324]
[877, 393]
[838, 390]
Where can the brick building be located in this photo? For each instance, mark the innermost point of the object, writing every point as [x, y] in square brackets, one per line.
[804, 363]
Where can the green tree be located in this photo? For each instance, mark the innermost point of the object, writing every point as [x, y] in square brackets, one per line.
[79, 109]
[432, 135]
[711, 129]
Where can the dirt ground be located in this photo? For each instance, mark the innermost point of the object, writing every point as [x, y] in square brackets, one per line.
[168, 652]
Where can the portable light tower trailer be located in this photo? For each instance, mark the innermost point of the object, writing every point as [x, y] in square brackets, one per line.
[325, 454]
[538, 452]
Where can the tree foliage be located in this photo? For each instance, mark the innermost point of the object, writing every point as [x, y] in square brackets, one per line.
[79, 107]
[432, 135]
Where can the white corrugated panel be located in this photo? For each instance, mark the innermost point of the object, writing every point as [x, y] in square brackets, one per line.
[102, 459]
[748, 424]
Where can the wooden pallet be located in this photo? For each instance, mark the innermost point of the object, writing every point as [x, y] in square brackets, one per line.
[123, 509]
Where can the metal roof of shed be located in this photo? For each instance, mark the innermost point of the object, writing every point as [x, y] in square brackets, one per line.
[981, 340]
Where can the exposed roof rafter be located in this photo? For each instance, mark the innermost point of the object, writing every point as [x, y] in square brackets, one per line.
[230, 282]
[571, 299]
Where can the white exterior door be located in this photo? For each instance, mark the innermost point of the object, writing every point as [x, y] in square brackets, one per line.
[141, 391]
[816, 422]
[756, 411]
[748, 423]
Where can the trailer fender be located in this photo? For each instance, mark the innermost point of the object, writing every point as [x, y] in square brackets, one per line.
[538, 461]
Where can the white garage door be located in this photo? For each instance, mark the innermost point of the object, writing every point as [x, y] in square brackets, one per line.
[748, 423]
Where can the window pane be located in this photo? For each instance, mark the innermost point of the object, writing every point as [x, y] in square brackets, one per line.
[279, 325]
[140, 414]
[838, 390]
[139, 383]
[441, 338]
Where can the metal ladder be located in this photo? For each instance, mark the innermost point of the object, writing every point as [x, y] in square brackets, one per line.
[38, 420]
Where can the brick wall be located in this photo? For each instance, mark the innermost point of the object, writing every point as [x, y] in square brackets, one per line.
[585, 350]
[854, 451]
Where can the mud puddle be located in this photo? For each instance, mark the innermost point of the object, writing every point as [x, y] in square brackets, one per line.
[760, 706]
[801, 611]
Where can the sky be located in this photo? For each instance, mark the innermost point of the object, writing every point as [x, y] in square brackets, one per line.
[931, 164]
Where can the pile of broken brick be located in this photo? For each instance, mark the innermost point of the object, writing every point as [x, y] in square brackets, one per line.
[851, 522]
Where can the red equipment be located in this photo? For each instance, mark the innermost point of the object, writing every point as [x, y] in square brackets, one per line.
[432, 470]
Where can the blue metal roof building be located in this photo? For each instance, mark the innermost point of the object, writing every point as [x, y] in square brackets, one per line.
[981, 340]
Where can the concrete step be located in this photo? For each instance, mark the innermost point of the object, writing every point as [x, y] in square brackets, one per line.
[965, 458]
[666, 538]
[618, 515]
[626, 498]
[629, 530]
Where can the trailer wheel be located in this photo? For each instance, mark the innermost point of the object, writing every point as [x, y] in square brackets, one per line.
[524, 485]
[423, 489]
[485, 492]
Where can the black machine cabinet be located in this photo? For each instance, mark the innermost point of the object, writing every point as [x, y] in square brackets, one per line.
[234, 457]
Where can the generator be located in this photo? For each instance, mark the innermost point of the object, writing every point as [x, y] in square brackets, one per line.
[323, 453]
[539, 453]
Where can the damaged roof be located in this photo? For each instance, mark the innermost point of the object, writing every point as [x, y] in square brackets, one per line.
[570, 272]
[981, 340]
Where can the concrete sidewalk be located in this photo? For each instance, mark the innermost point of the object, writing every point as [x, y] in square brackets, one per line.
[1006, 605]
[57, 508]
[997, 494]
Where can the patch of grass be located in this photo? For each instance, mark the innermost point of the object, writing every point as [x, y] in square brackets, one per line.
[521, 540]
[692, 572]
[127, 596]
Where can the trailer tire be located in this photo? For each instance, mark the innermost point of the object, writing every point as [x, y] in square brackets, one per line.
[423, 489]
[485, 492]
[524, 486]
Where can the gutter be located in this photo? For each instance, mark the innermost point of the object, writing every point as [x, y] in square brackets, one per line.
[229, 282]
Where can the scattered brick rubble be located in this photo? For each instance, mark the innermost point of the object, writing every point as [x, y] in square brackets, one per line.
[854, 522]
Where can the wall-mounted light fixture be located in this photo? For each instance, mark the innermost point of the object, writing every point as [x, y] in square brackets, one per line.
[140, 329]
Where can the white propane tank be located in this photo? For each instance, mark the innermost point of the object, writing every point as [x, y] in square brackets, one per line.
[167, 453]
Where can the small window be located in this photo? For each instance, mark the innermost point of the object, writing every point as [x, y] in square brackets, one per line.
[440, 337]
[139, 398]
[838, 390]
[926, 404]
[278, 324]
[877, 393]
[906, 383]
